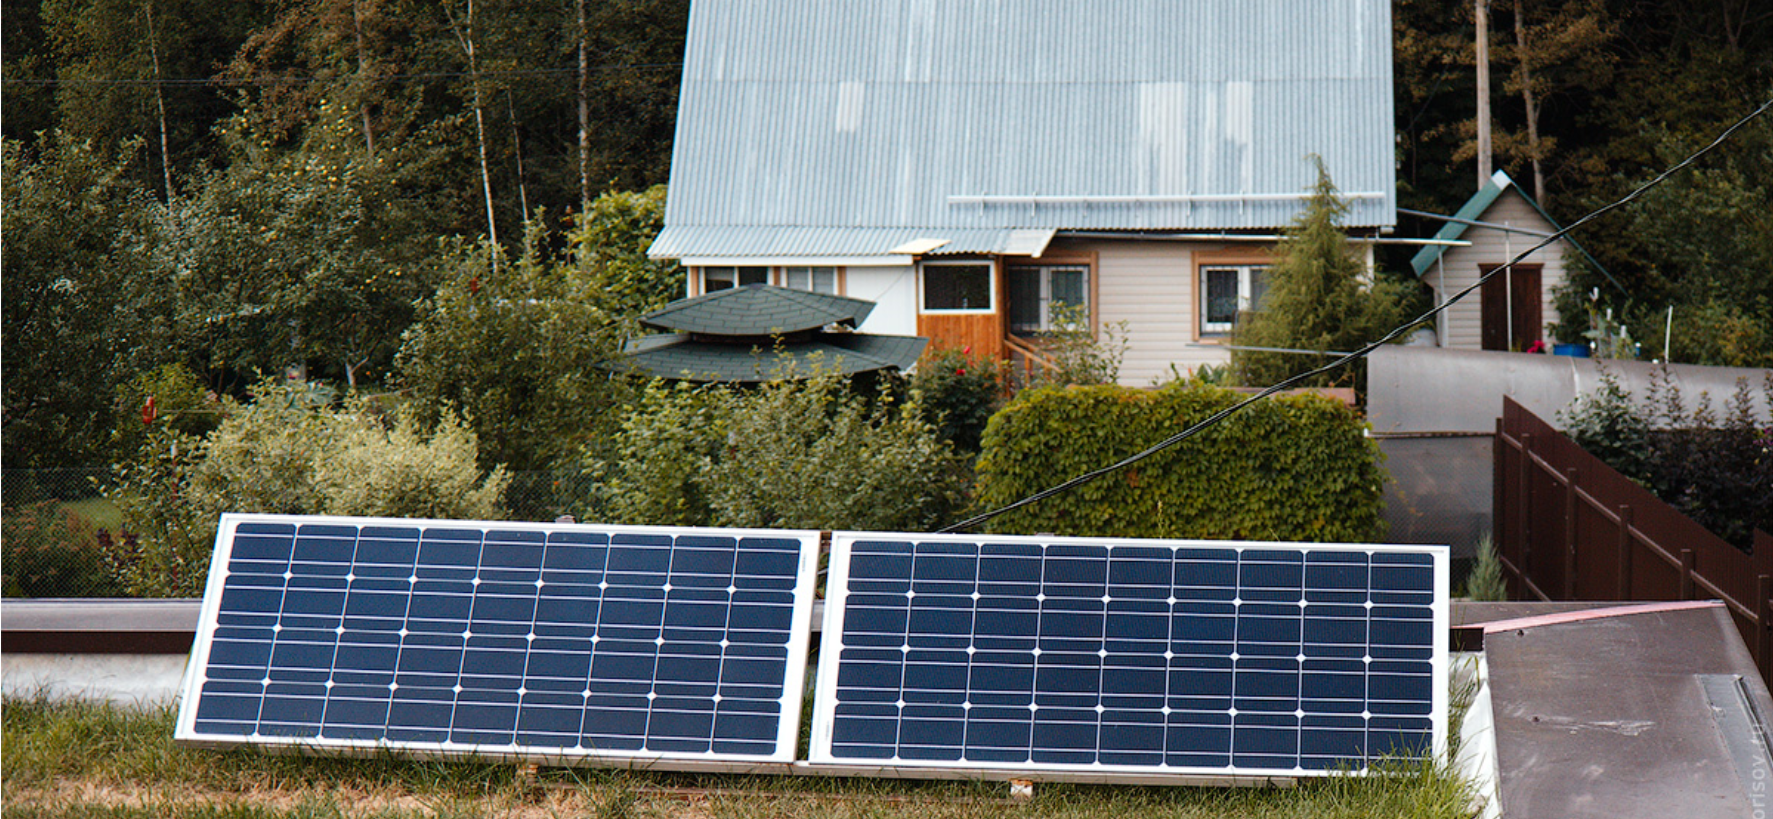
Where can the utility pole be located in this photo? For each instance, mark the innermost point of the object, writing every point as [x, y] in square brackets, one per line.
[1483, 92]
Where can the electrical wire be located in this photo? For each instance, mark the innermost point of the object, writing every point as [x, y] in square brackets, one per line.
[1288, 383]
[230, 82]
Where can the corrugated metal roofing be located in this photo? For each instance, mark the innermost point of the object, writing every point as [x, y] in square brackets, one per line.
[838, 123]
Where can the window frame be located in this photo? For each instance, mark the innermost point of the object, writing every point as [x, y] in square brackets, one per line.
[738, 276]
[991, 287]
[1045, 296]
[784, 277]
[1245, 295]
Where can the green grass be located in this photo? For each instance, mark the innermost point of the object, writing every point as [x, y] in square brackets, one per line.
[68, 760]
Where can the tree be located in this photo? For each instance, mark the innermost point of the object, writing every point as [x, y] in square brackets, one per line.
[516, 350]
[1316, 298]
[1701, 243]
[609, 244]
[76, 320]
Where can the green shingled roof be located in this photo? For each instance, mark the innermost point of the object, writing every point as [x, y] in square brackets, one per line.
[679, 357]
[757, 310]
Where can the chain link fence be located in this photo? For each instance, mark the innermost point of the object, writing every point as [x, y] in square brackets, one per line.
[60, 533]
[53, 527]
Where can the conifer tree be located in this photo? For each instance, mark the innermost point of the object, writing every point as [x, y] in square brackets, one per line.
[1318, 297]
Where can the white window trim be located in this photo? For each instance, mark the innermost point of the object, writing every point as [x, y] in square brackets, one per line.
[776, 275]
[991, 288]
[1244, 302]
[780, 277]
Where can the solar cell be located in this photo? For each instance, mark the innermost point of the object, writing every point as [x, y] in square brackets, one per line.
[1096, 657]
[675, 648]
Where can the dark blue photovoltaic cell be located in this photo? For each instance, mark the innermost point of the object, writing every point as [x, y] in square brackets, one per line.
[1186, 656]
[565, 640]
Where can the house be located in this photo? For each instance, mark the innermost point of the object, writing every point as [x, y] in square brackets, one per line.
[1511, 311]
[968, 165]
[755, 332]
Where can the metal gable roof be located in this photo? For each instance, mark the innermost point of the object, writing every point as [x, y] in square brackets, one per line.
[1473, 210]
[851, 120]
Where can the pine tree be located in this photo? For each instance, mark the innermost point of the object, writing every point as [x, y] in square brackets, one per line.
[1317, 298]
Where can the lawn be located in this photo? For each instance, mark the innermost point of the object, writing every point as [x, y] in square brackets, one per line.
[71, 760]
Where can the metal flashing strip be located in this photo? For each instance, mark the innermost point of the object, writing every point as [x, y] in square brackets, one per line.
[1101, 660]
[1743, 730]
[1592, 614]
[667, 648]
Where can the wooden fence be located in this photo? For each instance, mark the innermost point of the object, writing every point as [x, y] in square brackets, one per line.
[1568, 527]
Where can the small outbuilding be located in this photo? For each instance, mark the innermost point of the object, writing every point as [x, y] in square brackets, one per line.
[757, 332]
[1511, 312]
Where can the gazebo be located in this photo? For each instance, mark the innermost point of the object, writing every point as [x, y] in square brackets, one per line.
[757, 333]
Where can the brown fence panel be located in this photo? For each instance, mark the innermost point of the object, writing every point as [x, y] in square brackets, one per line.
[1568, 527]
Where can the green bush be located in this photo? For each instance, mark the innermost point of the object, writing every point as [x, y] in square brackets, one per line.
[1716, 470]
[1608, 426]
[284, 454]
[1291, 468]
[793, 454]
[52, 551]
[958, 394]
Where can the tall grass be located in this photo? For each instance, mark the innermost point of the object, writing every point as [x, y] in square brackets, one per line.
[73, 760]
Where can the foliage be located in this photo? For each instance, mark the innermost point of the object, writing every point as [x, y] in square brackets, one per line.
[1701, 243]
[52, 551]
[1486, 583]
[1316, 298]
[73, 329]
[1291, 468]
[1609, 426]
[791, 454]
[609, 244]
[169, 395]
[1078, 353]
[516, 348]
[958, 394]
[1717, 471]
[283, 454]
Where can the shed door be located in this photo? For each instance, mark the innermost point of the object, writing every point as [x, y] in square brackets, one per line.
[1512, 315]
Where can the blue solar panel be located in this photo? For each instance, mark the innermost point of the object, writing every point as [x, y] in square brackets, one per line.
[1096, 656]
[666, 646]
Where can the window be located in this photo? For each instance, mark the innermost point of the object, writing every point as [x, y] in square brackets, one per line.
[957, 286]
[723, 278]
[1034, 292]
[813, 279]
[1227, 290]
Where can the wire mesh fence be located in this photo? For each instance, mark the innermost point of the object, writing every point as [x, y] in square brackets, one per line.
[60, 535]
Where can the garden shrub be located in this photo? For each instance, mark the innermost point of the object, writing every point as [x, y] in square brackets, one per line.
[1716, 470]
[1608, 426]
[958, 394]
[806, 454]
[52, 551]
[284, 454]
[1292, 468]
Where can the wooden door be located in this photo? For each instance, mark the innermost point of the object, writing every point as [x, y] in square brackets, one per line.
[1512, 315]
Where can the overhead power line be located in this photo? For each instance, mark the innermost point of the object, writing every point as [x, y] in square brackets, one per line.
[1289, 383]
[422, 76]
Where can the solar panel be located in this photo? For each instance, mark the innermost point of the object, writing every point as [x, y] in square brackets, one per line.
[673, 648]
[1091, 658]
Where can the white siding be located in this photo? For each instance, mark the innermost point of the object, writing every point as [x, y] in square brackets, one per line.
[1150, 286]
[1461, 324]
[894, 293]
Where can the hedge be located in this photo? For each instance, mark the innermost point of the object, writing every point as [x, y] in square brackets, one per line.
[1296, 467]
